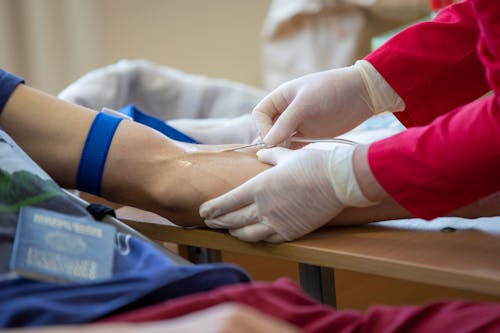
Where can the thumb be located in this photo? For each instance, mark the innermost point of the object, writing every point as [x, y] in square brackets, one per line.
[267, 110]
[262, 121]
[285, 126]
[273, 156]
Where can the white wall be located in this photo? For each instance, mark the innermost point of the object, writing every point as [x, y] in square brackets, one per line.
[53, 42]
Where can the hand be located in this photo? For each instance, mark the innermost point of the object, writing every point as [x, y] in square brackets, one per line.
[305, 190]
[324, 104]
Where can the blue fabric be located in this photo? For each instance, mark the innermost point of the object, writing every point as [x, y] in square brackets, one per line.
[94, 153]
[157, 124]
[143, 276]
[8, 82]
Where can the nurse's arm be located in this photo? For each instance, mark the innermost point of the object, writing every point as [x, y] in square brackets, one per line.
[390, 209]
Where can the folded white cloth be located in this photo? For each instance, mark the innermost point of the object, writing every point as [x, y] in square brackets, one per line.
[168, 94]
[218, 130]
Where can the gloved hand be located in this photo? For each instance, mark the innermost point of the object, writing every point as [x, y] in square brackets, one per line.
[324, 104]
[304, 191]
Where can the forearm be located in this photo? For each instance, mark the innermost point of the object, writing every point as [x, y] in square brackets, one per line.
[51, 131]
[389, 209]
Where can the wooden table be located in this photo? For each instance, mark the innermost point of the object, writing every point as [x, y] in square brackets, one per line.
[467, 259]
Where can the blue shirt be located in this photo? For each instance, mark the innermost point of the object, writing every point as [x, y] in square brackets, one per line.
[142, 276]
[8, 82]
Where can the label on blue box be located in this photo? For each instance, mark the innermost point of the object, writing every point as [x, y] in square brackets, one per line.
[51, 246]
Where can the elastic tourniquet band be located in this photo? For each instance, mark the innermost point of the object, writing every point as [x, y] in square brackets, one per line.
[94, 153]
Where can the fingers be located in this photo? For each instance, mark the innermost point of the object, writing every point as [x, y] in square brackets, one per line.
[253, 232]
[271, 109]
[244, 225]
[275, 238]
[228, 202]
[237, 219]
[233, 200]
[285, 125]
[267, 110]
[263, 121]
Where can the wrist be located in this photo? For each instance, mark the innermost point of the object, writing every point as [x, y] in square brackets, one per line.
[343, 178]
[379, 94]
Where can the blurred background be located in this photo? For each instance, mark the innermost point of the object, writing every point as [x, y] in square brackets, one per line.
[53, 42]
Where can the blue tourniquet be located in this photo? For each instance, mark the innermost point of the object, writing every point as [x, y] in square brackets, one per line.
[95, 152]
[157, 124]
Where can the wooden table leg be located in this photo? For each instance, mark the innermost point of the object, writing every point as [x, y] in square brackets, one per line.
[200, 255]
[319, 283]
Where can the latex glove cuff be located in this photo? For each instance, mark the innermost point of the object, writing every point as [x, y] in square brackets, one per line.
[382, 96]
[343, 179]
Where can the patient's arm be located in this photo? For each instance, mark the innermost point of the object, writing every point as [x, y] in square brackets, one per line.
[143, 168]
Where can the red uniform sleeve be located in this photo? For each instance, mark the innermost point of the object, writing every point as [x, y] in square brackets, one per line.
[434, 66]
[438, 68]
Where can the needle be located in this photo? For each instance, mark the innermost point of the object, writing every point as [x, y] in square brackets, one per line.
[313, 140]
[258, 144]
[295, 139]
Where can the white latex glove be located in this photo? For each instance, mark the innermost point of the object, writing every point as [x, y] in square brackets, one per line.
[324, 104]
[304, 191]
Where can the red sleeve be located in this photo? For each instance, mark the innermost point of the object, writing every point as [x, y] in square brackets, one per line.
[434, 66]
[455, 160]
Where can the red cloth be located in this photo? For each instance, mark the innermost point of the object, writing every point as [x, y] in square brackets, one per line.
[451, 154]
[283, 299]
